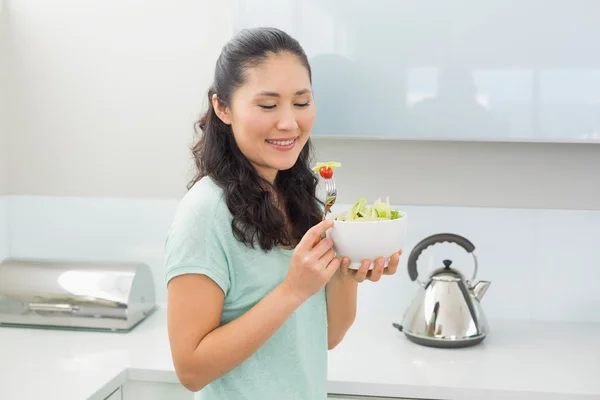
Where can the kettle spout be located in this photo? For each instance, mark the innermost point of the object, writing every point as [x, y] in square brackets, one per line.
[480, 288]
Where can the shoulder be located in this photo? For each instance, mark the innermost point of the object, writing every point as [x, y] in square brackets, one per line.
[199, 235]
[202, 211]
[202, 203]
[204, 193]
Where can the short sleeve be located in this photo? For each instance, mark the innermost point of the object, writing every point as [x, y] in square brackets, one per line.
[195, 241]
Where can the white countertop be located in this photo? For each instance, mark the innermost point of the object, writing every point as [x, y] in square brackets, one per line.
[519, 360]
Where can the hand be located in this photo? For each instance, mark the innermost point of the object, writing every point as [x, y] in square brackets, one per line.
[364, 273]
[313, 263]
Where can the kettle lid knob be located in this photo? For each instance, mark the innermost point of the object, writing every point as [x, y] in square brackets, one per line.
[447, 263]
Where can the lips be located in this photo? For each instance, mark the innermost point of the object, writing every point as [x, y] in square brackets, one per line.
[282, 144]
[285, 142]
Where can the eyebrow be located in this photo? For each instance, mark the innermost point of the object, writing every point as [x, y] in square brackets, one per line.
[275, 94]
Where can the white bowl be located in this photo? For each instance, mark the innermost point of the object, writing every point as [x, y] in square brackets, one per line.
[368, 240]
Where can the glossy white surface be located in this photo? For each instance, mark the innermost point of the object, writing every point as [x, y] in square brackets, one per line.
[452, 70]
[519, 360]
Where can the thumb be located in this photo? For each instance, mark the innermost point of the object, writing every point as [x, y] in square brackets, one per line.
[313, 235]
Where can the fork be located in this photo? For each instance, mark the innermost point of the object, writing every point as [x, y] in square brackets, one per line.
[331, 196]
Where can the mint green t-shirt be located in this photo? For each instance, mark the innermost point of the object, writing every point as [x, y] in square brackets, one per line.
[292, 364]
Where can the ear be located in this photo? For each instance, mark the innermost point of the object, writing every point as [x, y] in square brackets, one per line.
[221, 111]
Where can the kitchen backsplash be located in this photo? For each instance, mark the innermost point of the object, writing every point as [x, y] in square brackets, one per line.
[540, 262]
[3, 227]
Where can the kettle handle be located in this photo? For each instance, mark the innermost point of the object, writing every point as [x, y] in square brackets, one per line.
[430, 241]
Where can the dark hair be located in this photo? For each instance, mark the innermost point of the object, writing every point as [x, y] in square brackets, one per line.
[249, 197]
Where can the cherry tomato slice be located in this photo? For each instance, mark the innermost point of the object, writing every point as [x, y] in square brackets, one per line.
[326, 172]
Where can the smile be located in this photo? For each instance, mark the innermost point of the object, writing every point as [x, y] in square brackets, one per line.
[282, 145]
[281, 142]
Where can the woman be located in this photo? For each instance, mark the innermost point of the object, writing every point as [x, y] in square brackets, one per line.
[255, 298]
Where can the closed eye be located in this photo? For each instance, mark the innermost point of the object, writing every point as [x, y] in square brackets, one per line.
[273, 106]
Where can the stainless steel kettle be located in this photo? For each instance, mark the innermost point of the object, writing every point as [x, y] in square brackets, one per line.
[446, 311]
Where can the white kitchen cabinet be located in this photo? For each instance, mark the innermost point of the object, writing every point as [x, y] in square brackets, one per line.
[116, 395]
[142, 390]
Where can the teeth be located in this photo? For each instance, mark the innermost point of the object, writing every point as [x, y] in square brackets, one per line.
[281, 142]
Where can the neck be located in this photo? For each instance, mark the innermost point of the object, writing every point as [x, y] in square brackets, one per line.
[269, 174]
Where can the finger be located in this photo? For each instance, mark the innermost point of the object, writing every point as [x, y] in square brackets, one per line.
[377, 271]
[345, 266]
[326, 259]
[361, 274]
[321, 248]
[393, 265]
[332, 267]
[313, 235]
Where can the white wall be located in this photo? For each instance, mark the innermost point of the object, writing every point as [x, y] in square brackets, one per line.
[104, 101]
[4, 115]
[540, 262]
[521, 175]
[108, 91]
[4, 232]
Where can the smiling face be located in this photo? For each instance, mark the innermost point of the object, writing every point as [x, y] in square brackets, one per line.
[271, 114]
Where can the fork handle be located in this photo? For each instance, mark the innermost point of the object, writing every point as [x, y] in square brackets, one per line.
[327, 208]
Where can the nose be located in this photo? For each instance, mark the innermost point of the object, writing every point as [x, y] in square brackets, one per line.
[287, 120]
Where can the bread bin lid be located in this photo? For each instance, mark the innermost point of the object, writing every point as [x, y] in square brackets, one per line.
[75, 294]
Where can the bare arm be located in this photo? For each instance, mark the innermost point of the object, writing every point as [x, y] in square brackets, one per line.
[203, 351]
[341, 306]
[341, 292]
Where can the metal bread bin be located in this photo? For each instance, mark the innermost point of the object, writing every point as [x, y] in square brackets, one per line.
[75, 295]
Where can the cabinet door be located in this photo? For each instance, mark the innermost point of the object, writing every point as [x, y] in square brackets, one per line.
[116, 395]
[140, 390]
[351, 397]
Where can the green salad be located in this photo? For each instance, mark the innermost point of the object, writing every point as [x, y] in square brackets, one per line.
[378, 211]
